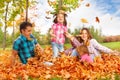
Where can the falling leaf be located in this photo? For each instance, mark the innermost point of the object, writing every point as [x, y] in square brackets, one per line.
[87, 5]
[47, 17]
[47, 12]
[97, 19]
[83, 20]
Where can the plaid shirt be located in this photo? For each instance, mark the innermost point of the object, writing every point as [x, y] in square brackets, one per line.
[59, 30]
[24, 47]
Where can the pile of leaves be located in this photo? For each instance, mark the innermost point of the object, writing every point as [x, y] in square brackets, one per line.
[64, 67]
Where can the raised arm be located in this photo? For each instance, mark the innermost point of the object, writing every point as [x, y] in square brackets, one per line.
[100, 47]
[74, 41]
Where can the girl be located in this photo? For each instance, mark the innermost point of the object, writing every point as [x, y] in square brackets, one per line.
[58, 33]
[84, 53]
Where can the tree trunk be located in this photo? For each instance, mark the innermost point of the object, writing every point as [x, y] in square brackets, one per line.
[60, 4]
[13, 32]
[4, 39]
[26, 11]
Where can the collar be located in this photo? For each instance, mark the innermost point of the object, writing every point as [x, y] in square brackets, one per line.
[60, 24]
[25, 39]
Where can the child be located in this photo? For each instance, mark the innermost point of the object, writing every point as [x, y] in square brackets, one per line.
[84, 53]
[57, 33]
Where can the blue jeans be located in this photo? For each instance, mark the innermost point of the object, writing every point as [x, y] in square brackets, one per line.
[74, 53]
[57, 48]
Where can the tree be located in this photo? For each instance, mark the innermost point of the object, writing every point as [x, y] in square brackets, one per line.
[6, 14]
[11, 8]
[66, 5]
[96, 33]
[1, 36]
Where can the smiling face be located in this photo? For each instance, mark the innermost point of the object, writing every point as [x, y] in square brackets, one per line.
[84, 35]
[60, 18]
[26, 32]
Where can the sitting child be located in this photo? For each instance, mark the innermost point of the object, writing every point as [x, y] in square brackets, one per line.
[84, 54]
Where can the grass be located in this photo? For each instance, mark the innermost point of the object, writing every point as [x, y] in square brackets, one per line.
[111, 45]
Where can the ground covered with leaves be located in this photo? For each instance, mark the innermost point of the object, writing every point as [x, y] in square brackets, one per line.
[64, 67]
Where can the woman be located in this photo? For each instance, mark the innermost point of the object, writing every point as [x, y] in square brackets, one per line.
[86, 39]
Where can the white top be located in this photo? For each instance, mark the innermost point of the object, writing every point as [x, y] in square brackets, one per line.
[94, 47]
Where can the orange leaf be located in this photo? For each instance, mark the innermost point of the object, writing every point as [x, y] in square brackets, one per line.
[83, 20]
[87, 5]
[97, 19]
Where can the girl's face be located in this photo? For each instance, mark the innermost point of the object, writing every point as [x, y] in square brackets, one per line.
[84, 35]
[60, 18]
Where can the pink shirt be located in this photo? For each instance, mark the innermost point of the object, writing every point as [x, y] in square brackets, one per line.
[59, 30]
[86, 58]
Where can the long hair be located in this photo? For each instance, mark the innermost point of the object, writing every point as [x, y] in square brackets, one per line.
[65, 21]
[88, 34]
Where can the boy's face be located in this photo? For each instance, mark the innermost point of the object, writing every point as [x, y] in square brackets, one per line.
[26, 32]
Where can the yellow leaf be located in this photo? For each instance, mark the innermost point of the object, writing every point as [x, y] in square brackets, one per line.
[83, 20]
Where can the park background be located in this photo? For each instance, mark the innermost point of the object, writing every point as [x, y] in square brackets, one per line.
[102, 17]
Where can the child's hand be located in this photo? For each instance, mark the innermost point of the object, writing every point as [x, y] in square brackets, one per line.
[68, 35]
[53, 35]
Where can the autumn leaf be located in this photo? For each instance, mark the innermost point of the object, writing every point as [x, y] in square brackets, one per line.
[83, 20]
[87, 5]
[65, 67]
[97, 19]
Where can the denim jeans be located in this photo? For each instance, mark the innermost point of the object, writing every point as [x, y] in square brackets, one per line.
[57, 48]
[74, 53]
